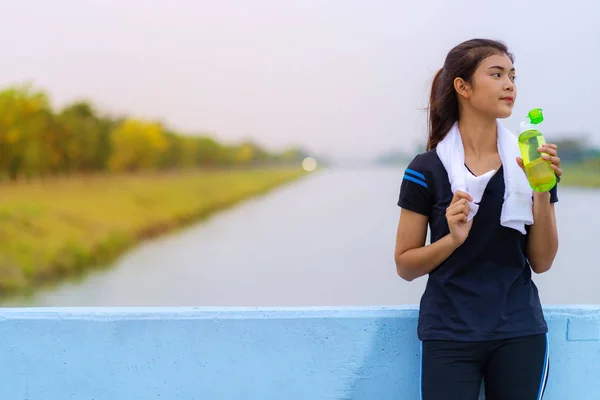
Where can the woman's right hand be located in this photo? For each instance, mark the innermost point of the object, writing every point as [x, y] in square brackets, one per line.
[456, 215]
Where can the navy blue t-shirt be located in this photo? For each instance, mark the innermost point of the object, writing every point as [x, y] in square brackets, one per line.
[483, 291]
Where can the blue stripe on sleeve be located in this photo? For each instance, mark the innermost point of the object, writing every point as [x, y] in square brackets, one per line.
[415, 173]
[415, 180]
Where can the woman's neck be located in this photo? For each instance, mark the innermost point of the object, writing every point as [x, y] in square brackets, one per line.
[479, 134]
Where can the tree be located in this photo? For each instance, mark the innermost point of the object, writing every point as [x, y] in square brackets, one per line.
[25, 118]
[84, 145]
[137, 145]
[209, 152]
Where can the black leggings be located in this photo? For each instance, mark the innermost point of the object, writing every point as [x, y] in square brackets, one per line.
[512, 369]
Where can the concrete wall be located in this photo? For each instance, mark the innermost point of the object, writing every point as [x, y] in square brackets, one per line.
[307, 354]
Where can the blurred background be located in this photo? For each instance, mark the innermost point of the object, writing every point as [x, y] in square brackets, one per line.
[236, 153]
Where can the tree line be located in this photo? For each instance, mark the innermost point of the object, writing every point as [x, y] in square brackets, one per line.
[36, 141]
[578, 151]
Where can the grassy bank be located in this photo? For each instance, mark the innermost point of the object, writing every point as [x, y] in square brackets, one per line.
[58, 228]
[581, 175]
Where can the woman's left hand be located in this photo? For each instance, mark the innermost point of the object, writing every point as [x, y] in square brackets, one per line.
[552, 151]
[552, 155]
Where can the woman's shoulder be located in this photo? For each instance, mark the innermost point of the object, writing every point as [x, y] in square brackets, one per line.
[422, 171]
[426, 162]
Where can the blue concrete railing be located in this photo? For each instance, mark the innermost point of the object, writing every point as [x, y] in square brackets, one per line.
[316, 353]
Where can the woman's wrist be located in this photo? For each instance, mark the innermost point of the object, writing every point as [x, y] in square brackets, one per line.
[544, 196]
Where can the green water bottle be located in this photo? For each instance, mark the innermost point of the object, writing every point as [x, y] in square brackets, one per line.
[539, 172]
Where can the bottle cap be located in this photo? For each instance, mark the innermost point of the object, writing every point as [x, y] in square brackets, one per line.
[536, 116]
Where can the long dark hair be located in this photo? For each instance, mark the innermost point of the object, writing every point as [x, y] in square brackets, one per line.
[461, 62]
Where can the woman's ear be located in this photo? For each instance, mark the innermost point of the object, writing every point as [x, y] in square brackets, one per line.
[461, 87]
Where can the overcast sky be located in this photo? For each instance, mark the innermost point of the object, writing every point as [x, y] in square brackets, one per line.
[344, 77]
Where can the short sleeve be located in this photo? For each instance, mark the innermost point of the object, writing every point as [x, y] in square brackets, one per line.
[414, 189]
[554, 194]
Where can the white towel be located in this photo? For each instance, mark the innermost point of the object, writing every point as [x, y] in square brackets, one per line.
[517, 209]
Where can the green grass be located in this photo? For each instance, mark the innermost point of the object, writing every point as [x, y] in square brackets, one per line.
[581, 175]
[63, 227]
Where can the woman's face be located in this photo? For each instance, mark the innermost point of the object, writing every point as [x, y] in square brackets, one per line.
[493, 91]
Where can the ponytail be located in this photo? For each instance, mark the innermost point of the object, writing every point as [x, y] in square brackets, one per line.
[443, 108]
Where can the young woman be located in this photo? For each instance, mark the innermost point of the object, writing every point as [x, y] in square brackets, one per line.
[480, 316]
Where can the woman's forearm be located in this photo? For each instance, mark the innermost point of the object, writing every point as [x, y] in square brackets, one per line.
[420, 261]
[542, 244]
